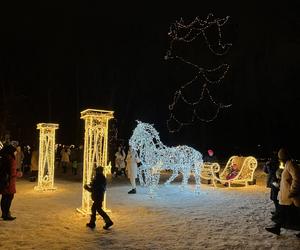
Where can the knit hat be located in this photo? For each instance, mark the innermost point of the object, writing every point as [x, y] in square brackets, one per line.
[283, 154]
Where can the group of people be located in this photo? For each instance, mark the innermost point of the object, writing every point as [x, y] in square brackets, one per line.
[69, 156]
[283, 182]
[285, 191]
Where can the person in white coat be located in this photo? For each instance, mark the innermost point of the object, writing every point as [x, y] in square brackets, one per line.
[120, 161]
[132, 160]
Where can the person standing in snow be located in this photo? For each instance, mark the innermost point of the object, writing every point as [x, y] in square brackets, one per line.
[19, 158]
[132, 160]
[65, 158]
[120, 161]
[97, 189]
[34, 164]
[271, 168]
[8, 162]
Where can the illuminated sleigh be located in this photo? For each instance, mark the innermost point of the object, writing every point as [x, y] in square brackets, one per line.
[244, 168]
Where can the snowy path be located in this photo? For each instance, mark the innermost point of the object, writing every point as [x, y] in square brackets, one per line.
[215, 219]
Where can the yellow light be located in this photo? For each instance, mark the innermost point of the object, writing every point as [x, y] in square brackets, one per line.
[281, 165]
[46, 156]
[95, 151]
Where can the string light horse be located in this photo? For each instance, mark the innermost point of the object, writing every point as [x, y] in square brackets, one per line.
[155, 156]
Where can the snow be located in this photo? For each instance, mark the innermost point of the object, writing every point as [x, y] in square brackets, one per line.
[217, 218]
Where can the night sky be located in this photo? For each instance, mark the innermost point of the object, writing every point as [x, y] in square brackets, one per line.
[59, 59]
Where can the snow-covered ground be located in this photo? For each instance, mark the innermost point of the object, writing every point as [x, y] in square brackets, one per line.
[218, 218]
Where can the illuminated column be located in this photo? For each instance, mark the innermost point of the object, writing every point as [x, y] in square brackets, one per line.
[95, 150]
[46, 156]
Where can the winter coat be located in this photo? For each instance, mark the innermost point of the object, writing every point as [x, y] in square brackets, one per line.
[11, 189]
[131, 164]
[97, 187]
[119, 160]
[34, 164]
[65, 155]
[290, 185]
[19, 158]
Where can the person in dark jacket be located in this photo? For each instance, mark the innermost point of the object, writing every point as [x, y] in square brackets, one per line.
[271, 168]
[8, 161]
[97, 189]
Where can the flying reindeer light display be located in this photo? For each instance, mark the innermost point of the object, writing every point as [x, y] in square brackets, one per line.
[155, 156]
[46, 156]
[204, 79]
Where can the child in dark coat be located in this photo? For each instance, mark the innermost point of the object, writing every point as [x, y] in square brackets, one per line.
[97, 188]
[270, 168]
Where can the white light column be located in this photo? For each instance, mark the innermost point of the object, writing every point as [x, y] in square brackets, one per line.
[95, 150]
[46, 156]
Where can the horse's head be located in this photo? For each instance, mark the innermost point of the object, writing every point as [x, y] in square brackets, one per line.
[144, 135]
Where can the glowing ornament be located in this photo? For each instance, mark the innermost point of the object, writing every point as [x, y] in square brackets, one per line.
[46, 156]
[95, 151]
[155, 156]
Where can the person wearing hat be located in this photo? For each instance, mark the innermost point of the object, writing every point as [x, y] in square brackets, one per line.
[8, 162]
[97, 189]
[289, 193]
[210, 156]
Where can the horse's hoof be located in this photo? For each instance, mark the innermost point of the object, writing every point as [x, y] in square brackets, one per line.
[197, 191]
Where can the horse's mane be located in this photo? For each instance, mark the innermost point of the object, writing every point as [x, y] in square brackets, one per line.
[149, 128]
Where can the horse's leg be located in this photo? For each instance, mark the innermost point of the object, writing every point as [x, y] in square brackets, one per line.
[140, 174]
[186, 174]
[154, 180]
[197, 176]
[148, 177]
[172, 177]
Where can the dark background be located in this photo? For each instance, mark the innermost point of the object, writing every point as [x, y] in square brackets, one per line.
[57, 59]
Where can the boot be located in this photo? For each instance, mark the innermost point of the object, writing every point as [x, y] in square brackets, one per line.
[273, 230]
[91, 225]
[8, 216]
[132, 191]
[108, 224]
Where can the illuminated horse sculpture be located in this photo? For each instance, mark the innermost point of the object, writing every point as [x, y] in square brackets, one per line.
[155, 156]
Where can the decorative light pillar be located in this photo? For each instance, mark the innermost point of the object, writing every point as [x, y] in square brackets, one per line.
[95, 151]
[46, 156]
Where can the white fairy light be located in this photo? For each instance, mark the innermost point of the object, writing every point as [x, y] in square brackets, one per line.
[95, 151]
[186, 33]
[155, 156]
[46, 156]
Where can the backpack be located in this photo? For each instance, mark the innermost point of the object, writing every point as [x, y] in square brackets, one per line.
[4, 175]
